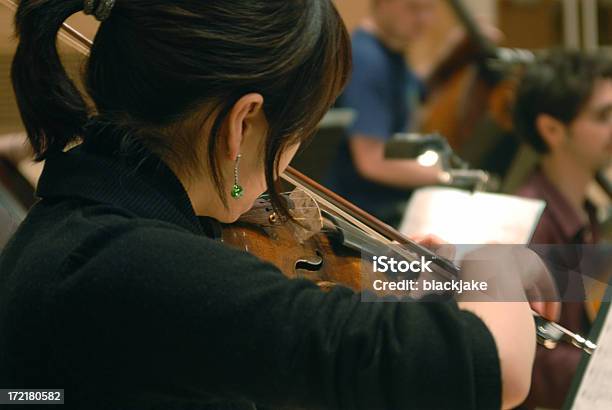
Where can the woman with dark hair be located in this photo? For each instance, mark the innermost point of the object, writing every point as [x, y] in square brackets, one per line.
[115, 289]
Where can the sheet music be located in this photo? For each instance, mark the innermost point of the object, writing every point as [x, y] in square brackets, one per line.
[462, 217]
[595, 391]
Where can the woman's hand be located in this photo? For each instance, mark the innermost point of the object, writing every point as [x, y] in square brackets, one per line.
[540, 287]
[436, 244]
[538, 284]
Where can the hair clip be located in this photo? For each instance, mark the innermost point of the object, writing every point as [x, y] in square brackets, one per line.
[88, 6]
[102, 12]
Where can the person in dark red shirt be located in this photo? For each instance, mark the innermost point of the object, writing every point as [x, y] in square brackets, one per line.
[564, 111]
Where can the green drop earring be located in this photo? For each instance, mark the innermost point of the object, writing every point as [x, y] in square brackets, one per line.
[237, 190]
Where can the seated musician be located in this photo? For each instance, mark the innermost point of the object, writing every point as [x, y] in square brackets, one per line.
[384, 92]
[116, 288]
[564, 111]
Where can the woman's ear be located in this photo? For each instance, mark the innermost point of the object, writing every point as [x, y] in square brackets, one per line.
[245, 117]
[552, 131]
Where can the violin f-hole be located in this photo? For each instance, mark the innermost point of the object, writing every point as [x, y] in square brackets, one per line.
[314, 264]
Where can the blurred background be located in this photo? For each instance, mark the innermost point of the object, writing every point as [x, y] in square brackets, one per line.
[470, 63]
[530, 24]
[485, 144]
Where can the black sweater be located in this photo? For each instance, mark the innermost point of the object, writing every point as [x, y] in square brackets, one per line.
[114, 290]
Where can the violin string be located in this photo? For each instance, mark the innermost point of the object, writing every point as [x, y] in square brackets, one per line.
[296, 208]
[396, 247]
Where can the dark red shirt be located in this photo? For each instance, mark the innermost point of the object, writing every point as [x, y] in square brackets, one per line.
[561, 225]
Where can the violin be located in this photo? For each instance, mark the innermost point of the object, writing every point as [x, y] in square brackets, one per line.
[328, 234]
[326, 243]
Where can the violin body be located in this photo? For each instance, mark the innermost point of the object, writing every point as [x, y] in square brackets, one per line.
[316, 258]
[315, 245]
[319, 245]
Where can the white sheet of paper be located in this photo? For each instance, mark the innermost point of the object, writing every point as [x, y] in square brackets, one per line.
[595, 391]
[461, 217]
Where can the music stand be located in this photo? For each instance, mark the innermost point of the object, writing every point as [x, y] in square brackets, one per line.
[593, 367]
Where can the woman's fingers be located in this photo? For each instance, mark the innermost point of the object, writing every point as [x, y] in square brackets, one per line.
[436, 244]
[540, 286]
[548, 310]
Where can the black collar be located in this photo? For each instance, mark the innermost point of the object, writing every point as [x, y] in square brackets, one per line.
[140, 183]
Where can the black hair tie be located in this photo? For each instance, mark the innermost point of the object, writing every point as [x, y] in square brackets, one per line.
[102, 12]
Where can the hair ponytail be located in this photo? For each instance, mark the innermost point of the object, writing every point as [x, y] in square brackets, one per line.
[52, 109]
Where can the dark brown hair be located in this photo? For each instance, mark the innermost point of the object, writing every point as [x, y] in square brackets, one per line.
[154, 63]
[560, 83]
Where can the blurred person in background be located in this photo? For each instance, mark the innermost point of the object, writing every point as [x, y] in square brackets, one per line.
[564, 111]
[384, 92]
